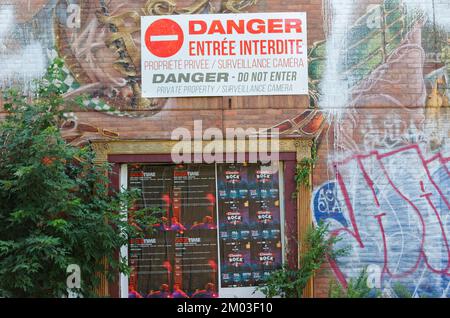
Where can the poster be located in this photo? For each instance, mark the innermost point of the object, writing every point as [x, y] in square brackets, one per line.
[236, 265]
[224, 55]
[249, 224]
[151, 260]
[179, 258]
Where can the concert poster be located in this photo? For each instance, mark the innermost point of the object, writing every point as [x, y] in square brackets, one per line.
[249, 226]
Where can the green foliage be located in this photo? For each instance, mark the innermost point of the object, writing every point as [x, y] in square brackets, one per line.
[303, 172]
[55, 210]
[305, 167]
[402, 291]
[356, 288]
[290, 283]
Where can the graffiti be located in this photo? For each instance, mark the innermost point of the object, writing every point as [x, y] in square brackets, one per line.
[326, 204]
[395, 208]
[388, 110]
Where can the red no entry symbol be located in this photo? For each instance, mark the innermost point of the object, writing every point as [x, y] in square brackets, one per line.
[164, 38]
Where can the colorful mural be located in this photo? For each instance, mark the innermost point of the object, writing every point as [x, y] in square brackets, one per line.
[99, 41]
[382, 80]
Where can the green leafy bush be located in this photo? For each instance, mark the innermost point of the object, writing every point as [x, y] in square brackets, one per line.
[290, 283]
[55, 209]
[356, 288]
[402, 291]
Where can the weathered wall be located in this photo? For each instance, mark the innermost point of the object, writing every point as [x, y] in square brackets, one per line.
[383, 177]
[82, 33]
[378, 73]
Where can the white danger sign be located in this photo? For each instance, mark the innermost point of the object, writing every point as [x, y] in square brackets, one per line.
[224, 55]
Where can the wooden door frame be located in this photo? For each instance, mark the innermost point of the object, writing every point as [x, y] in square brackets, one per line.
[117, 152]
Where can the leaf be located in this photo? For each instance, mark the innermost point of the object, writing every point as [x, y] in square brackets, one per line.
[6, 247]
[58, 224]
[19, 216]
[23, 171]
[6, 184]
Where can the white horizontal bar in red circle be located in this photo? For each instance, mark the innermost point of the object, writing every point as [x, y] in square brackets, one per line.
[161, 38]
